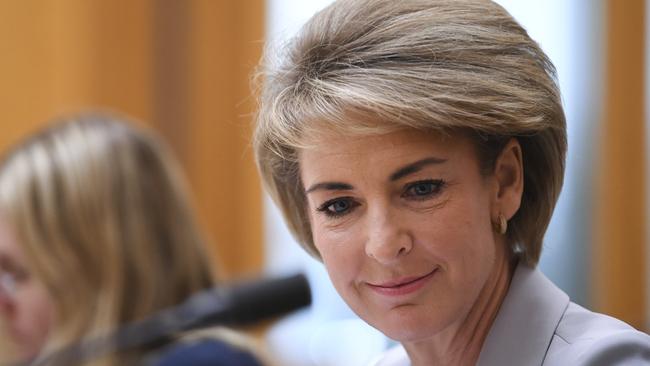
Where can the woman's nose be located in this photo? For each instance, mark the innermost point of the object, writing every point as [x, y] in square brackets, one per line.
[387, 239]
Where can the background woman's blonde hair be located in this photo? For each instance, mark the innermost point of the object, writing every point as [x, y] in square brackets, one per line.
[102, 212]
[449, 66]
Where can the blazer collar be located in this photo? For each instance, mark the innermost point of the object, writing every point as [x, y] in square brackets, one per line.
[526, 322]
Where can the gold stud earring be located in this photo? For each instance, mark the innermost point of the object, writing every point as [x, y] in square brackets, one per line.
[501, 225]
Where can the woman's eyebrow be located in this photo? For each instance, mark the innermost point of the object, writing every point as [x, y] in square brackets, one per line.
[414, 167]
[329, 186]
[400, 173]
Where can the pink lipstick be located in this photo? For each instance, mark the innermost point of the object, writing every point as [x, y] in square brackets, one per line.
[402, 286]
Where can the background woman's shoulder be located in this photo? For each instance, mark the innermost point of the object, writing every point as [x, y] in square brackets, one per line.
[207, 352]
[212, 347]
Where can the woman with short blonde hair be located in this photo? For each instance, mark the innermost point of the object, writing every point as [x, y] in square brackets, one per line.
[417, 148]
[489, 80]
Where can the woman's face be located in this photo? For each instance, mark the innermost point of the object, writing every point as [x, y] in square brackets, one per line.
[25, 305]
[403, 223]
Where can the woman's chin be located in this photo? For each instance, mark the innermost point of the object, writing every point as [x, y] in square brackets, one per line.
[26, 352]
[26, 348]
[410, 329]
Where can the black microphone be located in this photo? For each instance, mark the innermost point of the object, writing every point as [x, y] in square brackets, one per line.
[243, 304]
[250, 302]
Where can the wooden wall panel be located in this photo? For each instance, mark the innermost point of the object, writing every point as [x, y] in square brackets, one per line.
[181, 67]
[208, 96]
[63, 56]
[26, 88]
[619, 266]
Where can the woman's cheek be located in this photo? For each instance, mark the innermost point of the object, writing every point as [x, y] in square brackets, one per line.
[341, 252]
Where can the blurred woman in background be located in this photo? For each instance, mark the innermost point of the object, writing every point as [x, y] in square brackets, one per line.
[96, 231]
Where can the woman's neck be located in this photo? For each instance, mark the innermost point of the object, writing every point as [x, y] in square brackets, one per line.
[462, 343]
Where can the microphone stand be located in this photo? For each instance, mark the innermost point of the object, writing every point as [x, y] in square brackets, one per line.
[242, 305]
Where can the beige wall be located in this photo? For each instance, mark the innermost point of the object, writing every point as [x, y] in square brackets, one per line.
[619, 265]
[181, 67]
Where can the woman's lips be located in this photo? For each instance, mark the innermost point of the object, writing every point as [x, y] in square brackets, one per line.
[402, 286]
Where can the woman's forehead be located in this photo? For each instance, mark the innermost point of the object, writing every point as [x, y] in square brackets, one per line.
[341, 154]
[337, 142]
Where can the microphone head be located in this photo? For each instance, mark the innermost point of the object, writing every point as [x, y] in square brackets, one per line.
[260, 300]
[244, 303]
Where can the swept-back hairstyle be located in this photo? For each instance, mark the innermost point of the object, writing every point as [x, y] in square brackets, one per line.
[102, 213]
[448, 66]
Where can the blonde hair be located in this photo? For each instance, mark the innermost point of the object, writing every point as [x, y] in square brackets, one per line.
[449, 66]
[101, 210]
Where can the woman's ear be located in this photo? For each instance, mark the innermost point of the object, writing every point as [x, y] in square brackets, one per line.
[509, 175]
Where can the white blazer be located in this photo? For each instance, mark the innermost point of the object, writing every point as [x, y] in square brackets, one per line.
[538, 325]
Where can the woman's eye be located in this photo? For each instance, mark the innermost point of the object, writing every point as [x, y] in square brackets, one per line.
[423, 189]
[16, 272]
[337, 207]
[21, 275]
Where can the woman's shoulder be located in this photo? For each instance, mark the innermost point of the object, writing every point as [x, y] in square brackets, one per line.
[204, 352]
[589, 338]
[579, 323]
